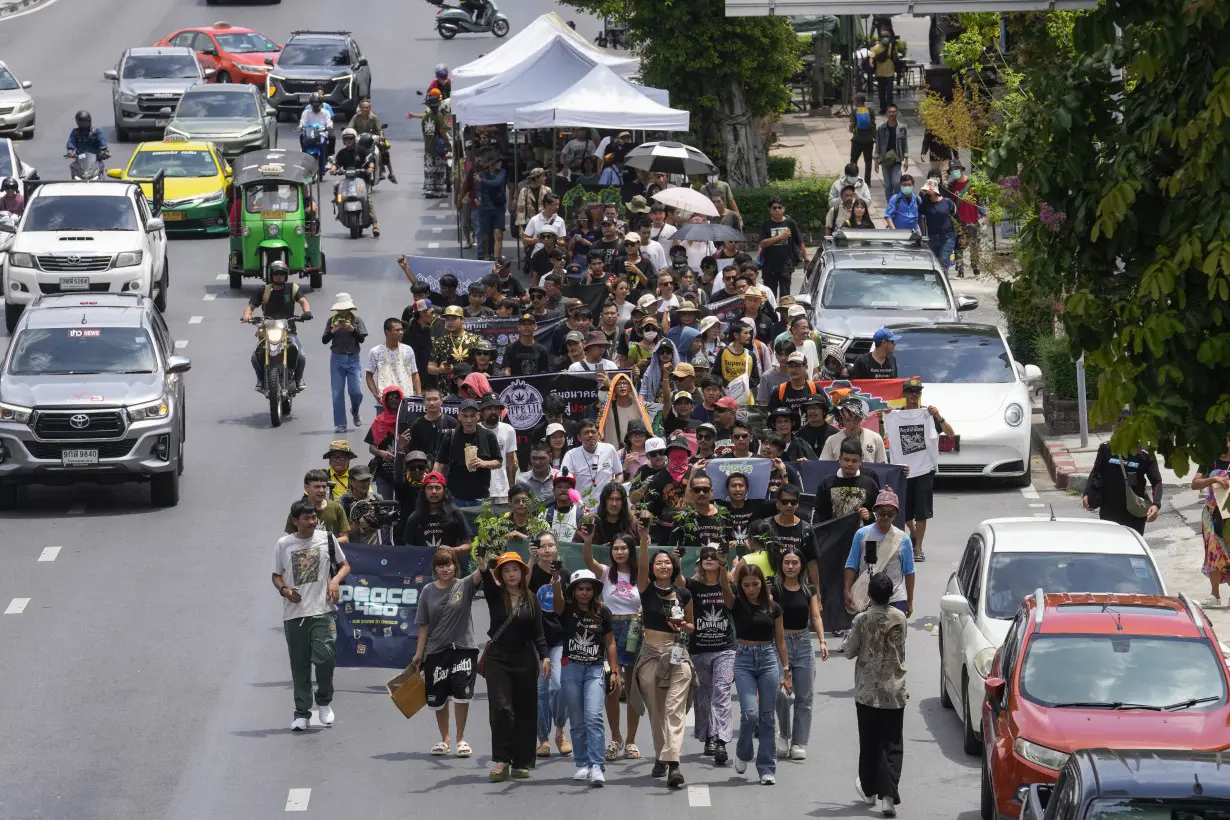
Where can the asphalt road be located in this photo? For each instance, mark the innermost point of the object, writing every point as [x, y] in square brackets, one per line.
[146, 676]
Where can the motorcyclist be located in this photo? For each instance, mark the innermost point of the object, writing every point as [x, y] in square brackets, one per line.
[277, 301]
[365, 122]
[443, 82]
[353, 157]
[11, 199]
[318, 113]
[475, 9]
[86, 139]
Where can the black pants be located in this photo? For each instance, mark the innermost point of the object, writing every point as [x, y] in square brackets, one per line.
[879, 750]
[885, 85]
[512, 703]
[864, 150]
[777, 279]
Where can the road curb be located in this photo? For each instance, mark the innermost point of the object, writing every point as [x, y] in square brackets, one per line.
[13, 6]
[1059, 462]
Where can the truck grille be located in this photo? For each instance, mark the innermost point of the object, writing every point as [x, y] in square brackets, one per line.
[69, 424]
[857, 348]
[8, 110]
[73, 263]
[307, 86]
[106, 449]
[152, 104]
[95, 287]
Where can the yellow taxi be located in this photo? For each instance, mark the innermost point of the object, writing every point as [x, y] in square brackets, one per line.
[194, 186]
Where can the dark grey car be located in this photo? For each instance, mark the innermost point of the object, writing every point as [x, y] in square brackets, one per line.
[147, 80]
[233, 117]
[326, 61]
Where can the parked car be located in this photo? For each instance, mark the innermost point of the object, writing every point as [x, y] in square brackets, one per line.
[1112, 784]
[148, 80]
[17, 113]
[234, 118]
[1079, 671]
[1004, 562]
[237, 54]
[92, 390]
[326, 61]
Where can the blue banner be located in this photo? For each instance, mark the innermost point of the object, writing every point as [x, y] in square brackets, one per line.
[429, 269]
[890, 475]
[375, 613]
[757, 471]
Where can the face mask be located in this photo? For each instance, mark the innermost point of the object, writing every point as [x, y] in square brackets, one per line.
[884, 41]
[677, 463]
[954, 175]
[852, 180]
[907, 189]
[712, 178]
[649, 335]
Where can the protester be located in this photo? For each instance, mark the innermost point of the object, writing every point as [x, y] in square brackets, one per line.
[551, 707]
[1209, 478]
[892, 152]
[800, 605]
[427, 430]
[468, 456]
[540, 478]
[713, 646]
[344, 333]
[595, 463]
[902, 212]
[780, 242]
[876, 643]
[305, 578]
[408, 493]
[1113, 477]
[492, 409]
[881, 547]
[436, 522]
[761, 667]
[939, 214]
[760, 550]
[738, 511]
[851, 414]
[914, 433]
[969, 215]
[563, 515]
[364, 528]
[848, 490]
[339, 455]
[785, 423]
[817, 430]
[384, 442]
[329, 514]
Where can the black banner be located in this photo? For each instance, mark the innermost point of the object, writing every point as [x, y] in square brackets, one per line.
[503, 331]
[523, 397]
[378, 602]
[833, 541]
[890, 475]
[728, 310]
[592, 296]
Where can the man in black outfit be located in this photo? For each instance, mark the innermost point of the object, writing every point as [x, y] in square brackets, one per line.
[847, 490]
[788, 530]
[880, 363]
[526, 357]
[469, 455]
[427, 430]
[817, 429]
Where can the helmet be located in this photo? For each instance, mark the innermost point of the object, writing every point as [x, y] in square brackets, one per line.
[441, 70]
[366, 141]
[349, 134]
[9, 184]
[316, 101]
[84, 120]
[278, 267]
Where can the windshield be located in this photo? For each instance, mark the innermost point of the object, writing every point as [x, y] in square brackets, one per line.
[80, 213]
[217, 105]
[7, 81]
[1118, 668]
[1208, 808]
[6, 164]
[884, 289]
[160, 67]
[957, 357]
[61, 351]
[1016, 575]
[314, 54]
[182, 164]
[271, 196]
[245, 43]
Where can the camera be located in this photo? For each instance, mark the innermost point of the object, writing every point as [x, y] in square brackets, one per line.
[376, 514]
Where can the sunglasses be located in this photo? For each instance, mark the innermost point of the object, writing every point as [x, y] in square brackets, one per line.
[705, 436]
[520, 502]
[886, 513]
[788, 502]
[740, 436]
[702, 489]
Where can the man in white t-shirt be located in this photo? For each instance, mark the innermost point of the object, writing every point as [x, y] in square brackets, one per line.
[594, 464]
[492, 408]
[662, 230]
[547, 217]
[309, 594]
[850, 414]
[392, 363]
[914, 439]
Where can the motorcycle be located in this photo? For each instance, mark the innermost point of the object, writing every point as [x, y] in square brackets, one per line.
[367, 142]
[280, 361]
[313, 141]
[350, 203]
[454, 20]
[86, 166]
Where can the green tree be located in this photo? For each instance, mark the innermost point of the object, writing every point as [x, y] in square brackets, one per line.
[1119, 151]
[729, 72]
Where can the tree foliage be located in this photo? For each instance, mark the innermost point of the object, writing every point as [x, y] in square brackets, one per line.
[692, 49]
[1119, 156]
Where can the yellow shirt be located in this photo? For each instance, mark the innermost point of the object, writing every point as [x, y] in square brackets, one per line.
[341, 483]
[760, 559]
[884, 68]
[732, 365]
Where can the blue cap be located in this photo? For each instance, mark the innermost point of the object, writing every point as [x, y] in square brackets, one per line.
[884, 335]
[503, 262]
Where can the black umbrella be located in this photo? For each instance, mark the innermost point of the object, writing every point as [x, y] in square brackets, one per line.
[707, 232]
[669, 158]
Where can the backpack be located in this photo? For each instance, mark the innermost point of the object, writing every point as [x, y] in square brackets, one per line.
[293, 291]
[862, 118]
[781, 389]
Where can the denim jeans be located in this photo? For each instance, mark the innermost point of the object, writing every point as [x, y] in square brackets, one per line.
[892, 180]
[584, 692]
[345, 376]
[794, 717]
[550, 703]
[942, 246]
[758, 676]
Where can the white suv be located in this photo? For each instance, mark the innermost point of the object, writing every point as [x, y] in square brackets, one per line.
[1008, 559]
[86, 237]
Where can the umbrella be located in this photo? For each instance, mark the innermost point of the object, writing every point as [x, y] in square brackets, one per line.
[686, 199]
[707, 232]
[669, 158]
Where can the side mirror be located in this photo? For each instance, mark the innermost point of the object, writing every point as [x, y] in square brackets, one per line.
[1033, 373]
[209, 72]
[212, 52]
[418, 93]
[7, 227]
[111, 74]
[115, 173]
[268, 61]
[995, 688]
[27, 84]
[954, 604]
[362, 62]
[165, 111]
[966, 303]
[155, 224]
[178, 364]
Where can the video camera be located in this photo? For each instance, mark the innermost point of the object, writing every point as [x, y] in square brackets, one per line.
[376, 514]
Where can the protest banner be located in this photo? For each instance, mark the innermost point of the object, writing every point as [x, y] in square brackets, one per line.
[890, 475]
[377, 605]
[833, 540]
[874, 394]
[757, 471]
[503, 331]
[523, 397]
[429, 269]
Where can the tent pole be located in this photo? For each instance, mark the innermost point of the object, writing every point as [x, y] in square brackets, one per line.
[517, 190]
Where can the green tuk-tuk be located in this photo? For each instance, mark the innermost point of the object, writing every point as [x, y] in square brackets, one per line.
[275, 216]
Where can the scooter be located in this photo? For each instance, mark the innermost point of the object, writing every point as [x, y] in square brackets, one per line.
[86, 166]
[454, 20]
[367, 143]
[350, 203]
[280, 360]
[313, 141]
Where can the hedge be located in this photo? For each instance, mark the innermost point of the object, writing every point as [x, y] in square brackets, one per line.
[781, 168]
[806, 200]
[1059, 368]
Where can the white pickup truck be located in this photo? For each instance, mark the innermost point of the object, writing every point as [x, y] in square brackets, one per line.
[86, 237]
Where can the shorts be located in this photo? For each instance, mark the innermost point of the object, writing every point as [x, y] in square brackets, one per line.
[450, 674]
[919, 497]
[619, 628]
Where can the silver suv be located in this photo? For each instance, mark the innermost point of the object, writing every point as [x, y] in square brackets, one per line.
[91, 391]
[147, 80]
[864, 280]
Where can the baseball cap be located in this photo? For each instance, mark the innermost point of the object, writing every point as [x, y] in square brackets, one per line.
[678, 442]
[502, 261]
[727, 403]
[554, 428]
[655, 445]
[528, 319]
[532, 289]
[564, 478]
[435, 478]
[911, 384]
[687, 307]
[796, 310]
[360, 472]
[491, 400]
[683, 370]
[455, 310]
[422, 305]
[633, 236]
[484, 345]
[884, 335]
[700, 360]
[575, 336]
[416, 455]
[796, 358]
[468, 404]
[681, 396]
[646, 301]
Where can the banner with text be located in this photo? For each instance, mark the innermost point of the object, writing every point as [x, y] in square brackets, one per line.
[890, 475]
[375, 612]
[503, 331]
[429, 269]
[523, 397]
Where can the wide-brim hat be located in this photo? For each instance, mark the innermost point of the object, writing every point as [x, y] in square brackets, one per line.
[340, 446]
[888, 498]
[344, 302]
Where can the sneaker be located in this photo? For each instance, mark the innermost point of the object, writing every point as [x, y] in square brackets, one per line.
[869, 799]
[675, 779]
[341, 428]
[798, 752]
[597, 778]
[260, 387]
[581, 774]
[767, 779]
[299, 724]
[710, 747]
[719, 754]
[740, 765]
[783, 748]
[393, 178]
[887, 807]
[919, 557]
[658, 770]
[1210, 602]
[357, 419]
[325, 713]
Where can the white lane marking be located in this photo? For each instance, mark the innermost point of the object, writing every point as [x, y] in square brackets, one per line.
[37, 7]
[222, 277]
[698, 797]
[196, 320]
[442, 205]
[76, 509]
[180, 344]
[297, 799]
[1029, 492]
[439, 216]
[49, 553]
[1037, 505]
[433, 244]
[17, 606]
[209, 297]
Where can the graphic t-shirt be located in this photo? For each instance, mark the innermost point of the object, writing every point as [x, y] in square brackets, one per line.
[797, 535]
[540, 585]
[435, 531]
[866, 367]
[526, 361]
[584, 635]
[447, 614]
[779, 255]
[708, 529]
[739, 521]
[303, 563]
[715, 629]
[914, 440]
[622, 597]
[839, 495]
[873, 446]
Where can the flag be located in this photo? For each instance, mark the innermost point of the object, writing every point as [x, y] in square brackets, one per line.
[875, 394]
[429, 269]
[833, 541]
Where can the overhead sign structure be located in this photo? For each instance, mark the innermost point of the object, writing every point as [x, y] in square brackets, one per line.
[796, 8]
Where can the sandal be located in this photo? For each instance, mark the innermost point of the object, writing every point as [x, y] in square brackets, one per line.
[631, 752]
[613, 748]
[441, 748]
[463, 749]
[521, 774]
[498, 775]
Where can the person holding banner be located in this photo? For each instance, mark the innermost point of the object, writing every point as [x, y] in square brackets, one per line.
[436, 521]
[848, 490]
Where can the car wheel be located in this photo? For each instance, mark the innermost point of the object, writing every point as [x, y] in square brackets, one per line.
[12, 313]
[987, 801]
[10, 496]
[945, 700]
[121, 133]
[164, 489]
[160, 300]
[969, 740]
[179, 458]
[236, 281]
[222, 77]
[28, 134]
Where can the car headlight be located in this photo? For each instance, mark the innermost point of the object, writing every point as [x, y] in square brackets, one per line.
[28, 105]
[1042, 756]
[14, 413]
[128, 98]
[258, 67]
[982, 661]
[128, 259]
[834, 339]
[216, 196]
[158, 409]
[272, 229]
[1014, 414]
[21, 260]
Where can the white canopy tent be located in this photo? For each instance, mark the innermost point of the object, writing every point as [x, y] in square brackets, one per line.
[602, 99]
[518, 49]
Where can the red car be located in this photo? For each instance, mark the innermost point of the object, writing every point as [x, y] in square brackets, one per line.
[1081, 671]
[237, 54]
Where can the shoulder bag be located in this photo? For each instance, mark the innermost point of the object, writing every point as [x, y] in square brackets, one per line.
[1136, 506]
[858, 590]
[482, 657]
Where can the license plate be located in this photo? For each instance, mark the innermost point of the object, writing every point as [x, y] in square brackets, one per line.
[950, 444]
[172, 216]
[273, 214]
[74, 283]
[78, 458]
[162, 123]
[304, 97]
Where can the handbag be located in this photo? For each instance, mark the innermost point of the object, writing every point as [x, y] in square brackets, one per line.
[858, 590]
[482, 657]
[1136, 505]
[334, 565]
[408, 691]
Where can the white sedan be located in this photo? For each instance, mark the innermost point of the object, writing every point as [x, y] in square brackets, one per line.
[969, 375]
[16, 105]
[1008, 559]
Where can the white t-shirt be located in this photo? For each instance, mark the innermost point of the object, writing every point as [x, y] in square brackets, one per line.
[594, 470]
[507, 437]
[586, 367]
[537, 222]
[913, 440]
[698, 251]
[812, 356]
[664, 234]
[304, 564]
[396, 366]
[873, 447]
[656, 254]
[622, 597]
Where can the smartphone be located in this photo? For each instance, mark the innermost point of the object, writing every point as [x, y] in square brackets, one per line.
[557, 565]
[870, 551]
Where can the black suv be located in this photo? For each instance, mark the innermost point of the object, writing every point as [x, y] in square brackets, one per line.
[326, 61]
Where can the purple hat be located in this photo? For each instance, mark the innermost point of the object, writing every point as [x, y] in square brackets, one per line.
[888, 498]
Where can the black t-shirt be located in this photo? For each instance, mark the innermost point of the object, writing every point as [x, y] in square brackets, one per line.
[787, 396]
[779, 255]
[526, 361]
[709, 529]
[511, 288]
[281, 304]
[798, 449]
[715, 629]
[540, 263]
[795, 604]
[866, 367]
[610, 252]
[755, 623]
[465, 484]
[663, 496]
[673, 423]
[425, 434]
[655, 606]
[839, 495]
[816, 436]
[740, 521]
[385, 467]
[419, 339]
[552, 630]
[584, 635]
[797, 535]
[436, 531]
